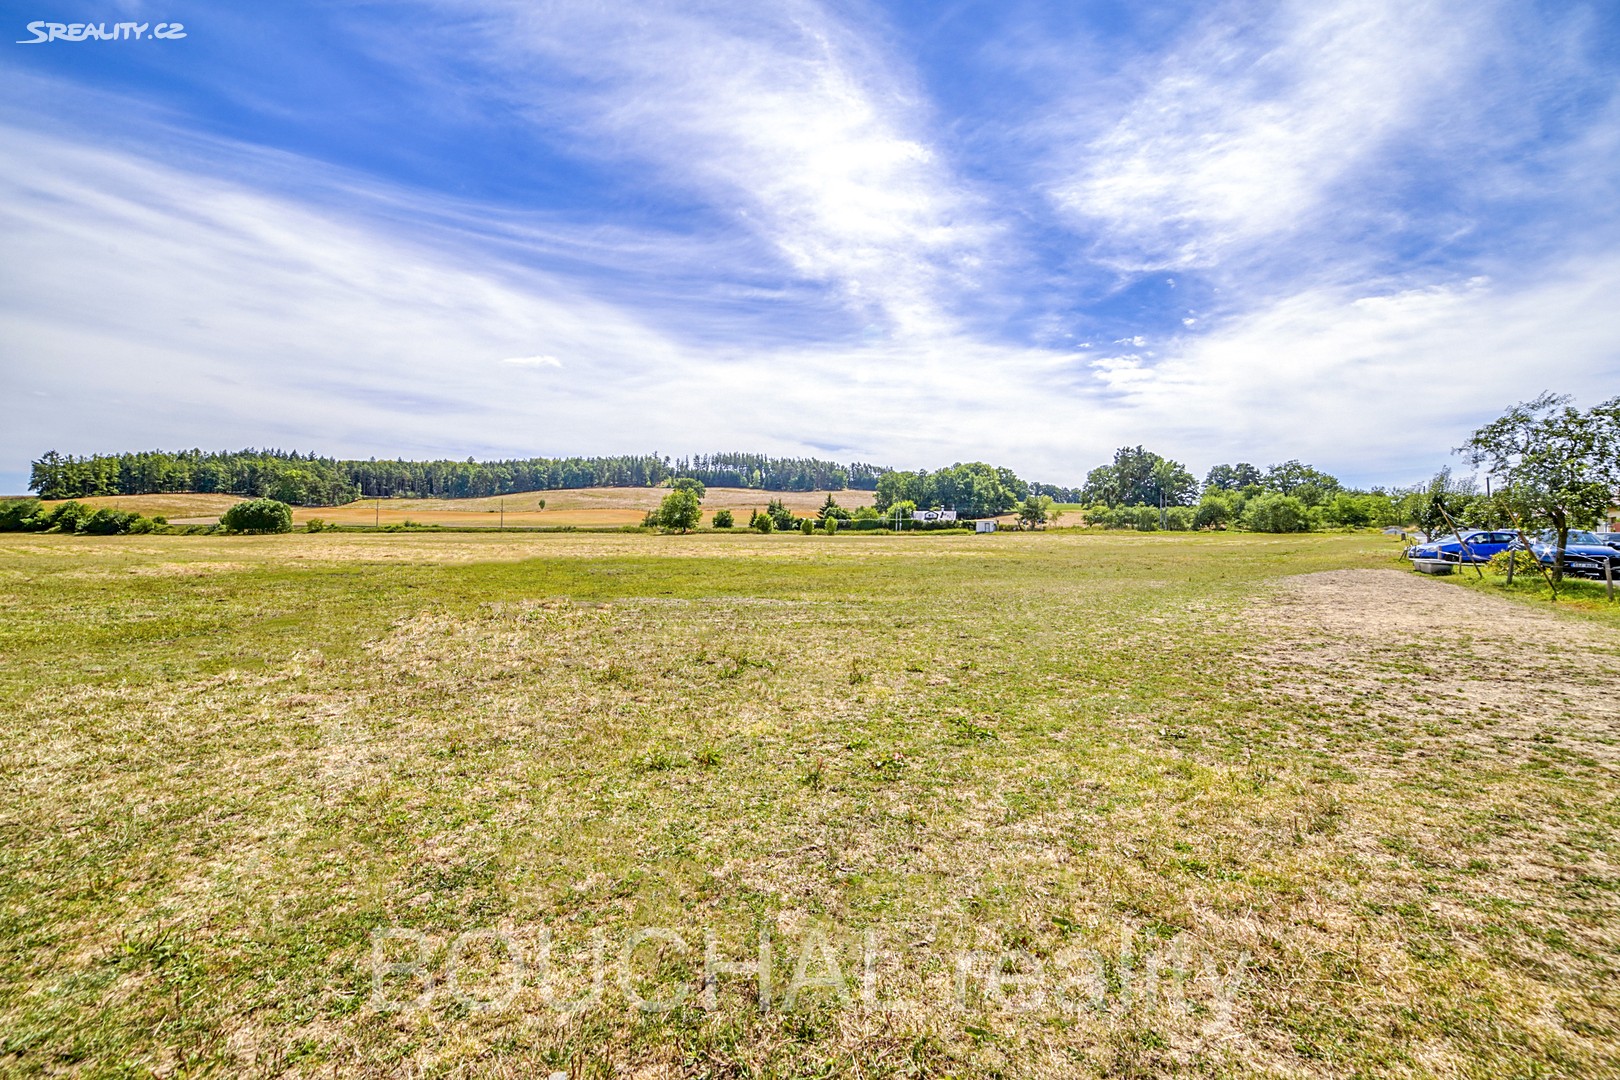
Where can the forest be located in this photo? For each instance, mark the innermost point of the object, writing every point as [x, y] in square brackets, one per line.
[311, 480]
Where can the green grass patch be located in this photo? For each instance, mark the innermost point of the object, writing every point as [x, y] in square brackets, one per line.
[262, 794]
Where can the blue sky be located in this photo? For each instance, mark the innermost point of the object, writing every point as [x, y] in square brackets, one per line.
[902, 233]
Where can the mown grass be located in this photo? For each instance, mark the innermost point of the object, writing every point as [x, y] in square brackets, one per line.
[1579, 596]
[230, 763]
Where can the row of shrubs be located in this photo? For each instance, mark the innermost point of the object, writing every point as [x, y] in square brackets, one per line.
[681, 510]
[31, 515]
[764, 522]
[1270, 513]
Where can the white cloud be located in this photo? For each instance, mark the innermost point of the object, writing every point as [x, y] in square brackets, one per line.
[169, 306]
[166, 309]
[785, 117]
[1377, 385]
[1245, 130]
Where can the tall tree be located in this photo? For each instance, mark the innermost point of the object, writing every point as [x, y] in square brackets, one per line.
[1233, 477]
[1558, 465]
[1296, 478]
[679, 512]
[1139, 477]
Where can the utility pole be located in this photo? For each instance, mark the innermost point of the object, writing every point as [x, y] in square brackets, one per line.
[503, 515]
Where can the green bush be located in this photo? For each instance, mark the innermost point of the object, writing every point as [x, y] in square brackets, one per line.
[831, 526]
[258, 516]
[1276, 514]
[66, 518]
[1180, 518]
[722, 519]
[761, 522]
[807, 527]
[27, 515]
[15, 512]
[1523, 563]
[316, 525]
[1349, 511]
[110, 522]
[781, 516]
[831, 511]
[680, 510]
[1216, 510]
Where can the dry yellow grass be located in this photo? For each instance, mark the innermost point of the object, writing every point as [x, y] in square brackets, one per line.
[581, 508]
[1222, 819]
[173, 507]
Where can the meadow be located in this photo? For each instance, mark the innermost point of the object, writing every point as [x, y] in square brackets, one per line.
[586, 508]
[1024, 805]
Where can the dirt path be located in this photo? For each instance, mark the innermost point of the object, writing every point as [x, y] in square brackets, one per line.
[1388, 646]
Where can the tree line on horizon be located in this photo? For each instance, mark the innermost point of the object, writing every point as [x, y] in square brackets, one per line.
[312, 480]
[1138, 489]
[1142, 490]
[1120, 493]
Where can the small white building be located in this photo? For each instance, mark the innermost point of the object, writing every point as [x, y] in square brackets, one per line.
[984, 525]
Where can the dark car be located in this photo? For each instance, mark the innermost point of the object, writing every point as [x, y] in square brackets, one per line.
[1471, 546]
[1584, 554]
[1610, 538]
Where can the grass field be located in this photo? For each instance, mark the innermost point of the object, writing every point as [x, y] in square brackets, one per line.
[578, 507]
[1022, 805]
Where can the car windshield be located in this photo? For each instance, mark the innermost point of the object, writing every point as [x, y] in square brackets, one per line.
[1576, 536]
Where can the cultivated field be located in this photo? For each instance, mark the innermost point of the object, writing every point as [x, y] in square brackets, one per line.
[579, 507]
[1022, 805]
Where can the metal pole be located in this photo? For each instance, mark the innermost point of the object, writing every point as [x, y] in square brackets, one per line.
[1518, 527]
[1440, 506]
[1608, 577]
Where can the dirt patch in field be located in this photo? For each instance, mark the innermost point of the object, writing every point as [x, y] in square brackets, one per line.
[1387, 645]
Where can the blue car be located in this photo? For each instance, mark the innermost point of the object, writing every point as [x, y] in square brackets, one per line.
[1471, 546]
[1584, 554]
